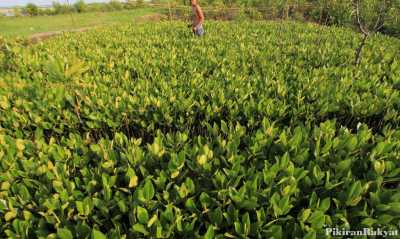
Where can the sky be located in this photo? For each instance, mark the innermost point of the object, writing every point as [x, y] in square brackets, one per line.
[12, 3]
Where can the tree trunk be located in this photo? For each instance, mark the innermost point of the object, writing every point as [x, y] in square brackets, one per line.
[359, 50]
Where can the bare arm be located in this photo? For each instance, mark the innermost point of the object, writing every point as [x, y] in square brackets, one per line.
[200, 14]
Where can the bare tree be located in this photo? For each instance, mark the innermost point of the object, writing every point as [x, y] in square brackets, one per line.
[382, 9]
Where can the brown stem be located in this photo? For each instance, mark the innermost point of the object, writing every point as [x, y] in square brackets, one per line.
[359, 50]
[360, 25]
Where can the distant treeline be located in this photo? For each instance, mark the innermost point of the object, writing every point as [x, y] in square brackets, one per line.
[79, 7]
[327, 12]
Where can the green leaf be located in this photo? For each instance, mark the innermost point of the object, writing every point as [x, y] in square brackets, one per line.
[304, 215]
[133, 181]
[24, 193]
[275, 201]
[317, 220]
[353, 195]
[98, 234]
[168, 214]
[395, 207]
[382, 148]
[344, 165]
[238, 228]
[79, 206]
[152, 220]
[205, 199]
[159, 232]
[313, 200]
[10, 215]
[379, 166]
[183, 191]
[190, 185]
[142, 215]
[64, 233]
[310, 235]
[210, 233]
[140, 228]
[351, 143]
[318, 173]
[178, 223]
[224, 127]
[191, 205]
[216, 216]
[369, 222]
[385, 219]
[148, 190]
[246, 223]
[275, 231]
[20, 144]
[295, 141]
[325, 204]
[284, 161]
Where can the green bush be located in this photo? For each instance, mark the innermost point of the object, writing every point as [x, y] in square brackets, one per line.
[392, 23]
[256, 130]
[80, 6]
[59, 8]
[96, 7]
[115, 5]
[31, 9]
[254, 14]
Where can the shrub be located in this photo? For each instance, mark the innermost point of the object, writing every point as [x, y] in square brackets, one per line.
[80, 6]
[257, 130]
[59, 8]
[31, 10]
[114, 5]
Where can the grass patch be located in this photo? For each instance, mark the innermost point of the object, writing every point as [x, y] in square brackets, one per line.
[25, 26]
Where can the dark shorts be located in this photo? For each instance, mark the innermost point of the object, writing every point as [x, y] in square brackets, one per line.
[199, 31]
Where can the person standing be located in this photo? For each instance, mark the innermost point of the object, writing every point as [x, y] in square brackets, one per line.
[198, 19]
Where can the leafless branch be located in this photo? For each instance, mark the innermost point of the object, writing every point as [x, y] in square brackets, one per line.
[359, 50]
[360, 25]
[384, 7]
[363, 30]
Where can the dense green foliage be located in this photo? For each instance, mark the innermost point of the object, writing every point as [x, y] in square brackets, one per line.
[255, 130]
[325, 12]
[31, 9]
